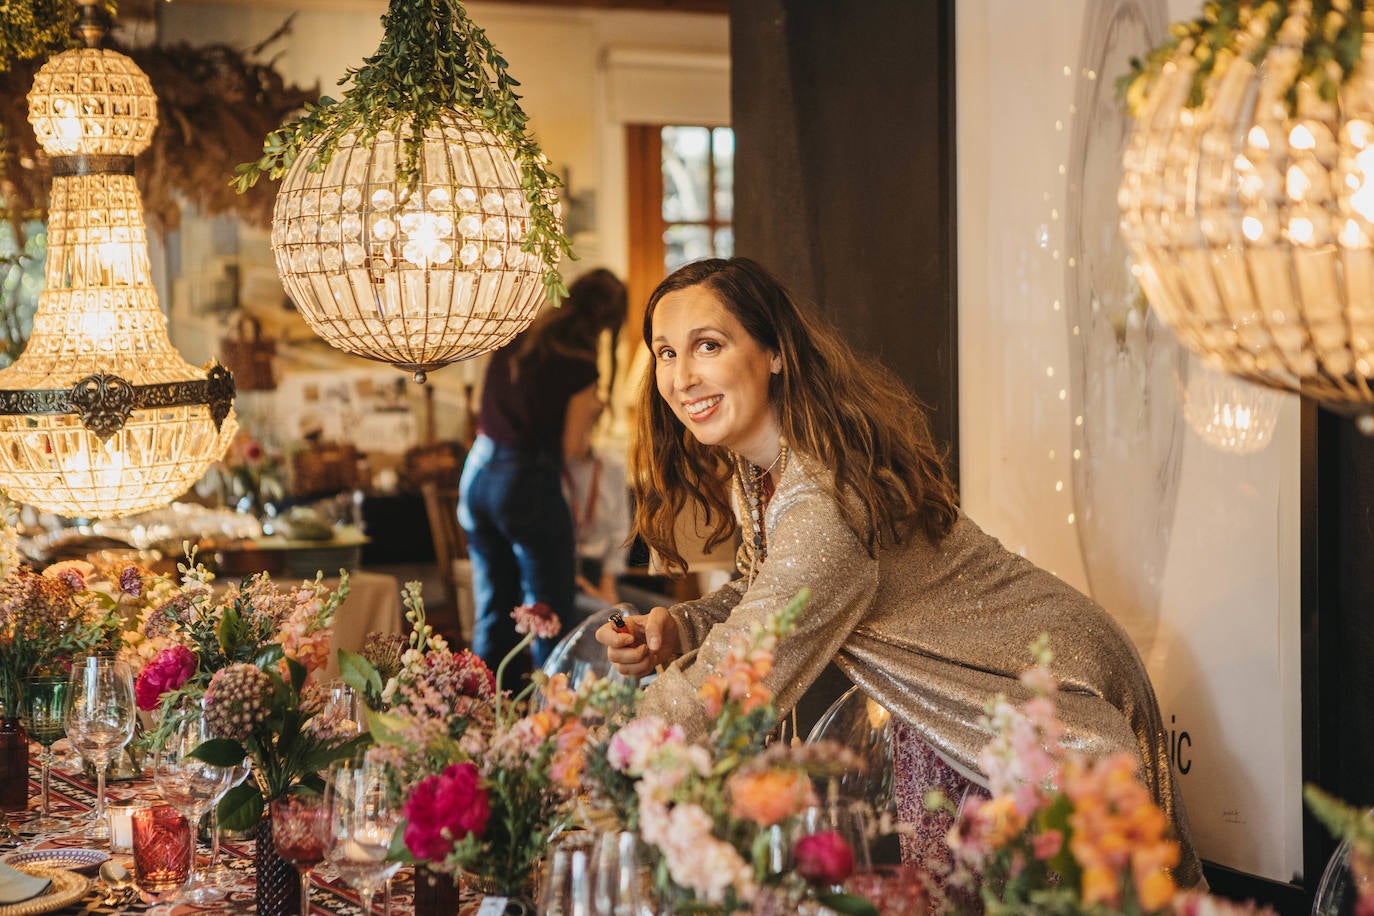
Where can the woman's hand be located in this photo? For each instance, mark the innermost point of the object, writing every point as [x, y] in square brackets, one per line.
[647, 642]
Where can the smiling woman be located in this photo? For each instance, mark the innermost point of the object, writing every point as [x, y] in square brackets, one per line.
[765, 419]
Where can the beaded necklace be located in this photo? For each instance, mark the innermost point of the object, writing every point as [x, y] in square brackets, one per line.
[757, 487]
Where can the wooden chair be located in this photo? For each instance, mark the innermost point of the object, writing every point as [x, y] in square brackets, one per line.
[451, 554]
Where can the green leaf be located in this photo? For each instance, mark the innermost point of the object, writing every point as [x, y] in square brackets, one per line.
[848, 903]
[220, 752]
[298, 675]
[398, 851]
[241, 807]
[358, 673]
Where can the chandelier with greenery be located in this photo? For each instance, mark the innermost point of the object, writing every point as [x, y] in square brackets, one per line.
[417, 223]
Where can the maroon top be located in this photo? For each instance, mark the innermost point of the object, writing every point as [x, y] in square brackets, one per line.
[529, 412]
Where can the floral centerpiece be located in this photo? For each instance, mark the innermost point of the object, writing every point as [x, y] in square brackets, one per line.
[710, 810]
[48, 619]
[250, 476]
[1061, 833]
[488, 772]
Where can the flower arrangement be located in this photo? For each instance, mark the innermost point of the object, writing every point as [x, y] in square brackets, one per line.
[246, 658]
[48, 619]
[488, 772]
[250, 475]
[1356, 827]
[710, 809]
[1061, 833]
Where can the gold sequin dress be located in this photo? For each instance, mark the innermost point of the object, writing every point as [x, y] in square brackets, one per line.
[931, 632]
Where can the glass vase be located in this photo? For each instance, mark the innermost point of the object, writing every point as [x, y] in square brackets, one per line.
[277, 885]
[14, 765]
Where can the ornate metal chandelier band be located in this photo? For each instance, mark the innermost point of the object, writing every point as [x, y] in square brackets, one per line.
[91, 164]
[103, 402]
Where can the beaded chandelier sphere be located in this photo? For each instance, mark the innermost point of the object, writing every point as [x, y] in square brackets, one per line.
[100, 416]
[1250, 216]
[419, 276]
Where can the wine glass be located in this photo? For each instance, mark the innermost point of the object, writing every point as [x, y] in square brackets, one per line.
[620, 876]
[567, 886]
[300, 831]
[342, 711]
[217, 872]
[100, 721]
[364, 812]
[191, 786]
[42, 712]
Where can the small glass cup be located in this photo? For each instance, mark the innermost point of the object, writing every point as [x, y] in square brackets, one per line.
[567, 884]
[121, 818]
[162, 849]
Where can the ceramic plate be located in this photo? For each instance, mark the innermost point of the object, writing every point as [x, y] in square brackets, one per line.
[66, 888]
[82, 860]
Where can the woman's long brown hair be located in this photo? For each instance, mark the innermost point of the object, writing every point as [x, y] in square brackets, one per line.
[852, 417]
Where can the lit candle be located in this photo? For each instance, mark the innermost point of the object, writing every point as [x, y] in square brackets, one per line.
[122, 825]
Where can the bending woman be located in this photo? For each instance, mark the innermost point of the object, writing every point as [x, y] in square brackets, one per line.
[840, 489]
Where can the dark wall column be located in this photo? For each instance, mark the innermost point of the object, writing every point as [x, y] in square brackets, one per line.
[844, 174]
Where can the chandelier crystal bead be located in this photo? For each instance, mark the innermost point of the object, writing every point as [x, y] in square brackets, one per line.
[100, 416]
[1250, 216]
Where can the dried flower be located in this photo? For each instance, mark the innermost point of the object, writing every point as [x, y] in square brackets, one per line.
[172, 668]
[383, 652]
[236, 701]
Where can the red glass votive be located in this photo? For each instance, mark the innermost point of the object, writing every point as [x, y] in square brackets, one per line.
[162, 849]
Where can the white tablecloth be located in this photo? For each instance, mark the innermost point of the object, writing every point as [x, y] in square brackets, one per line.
[373, 603]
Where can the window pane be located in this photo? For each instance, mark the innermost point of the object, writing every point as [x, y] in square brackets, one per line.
[686, 174]
[685, 243]
[725, 242]
[723, 156]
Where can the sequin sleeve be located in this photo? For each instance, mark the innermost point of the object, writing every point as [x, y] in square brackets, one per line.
[809, 546]
[696, 618]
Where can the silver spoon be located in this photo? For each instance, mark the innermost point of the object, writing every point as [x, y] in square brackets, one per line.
[119, 884]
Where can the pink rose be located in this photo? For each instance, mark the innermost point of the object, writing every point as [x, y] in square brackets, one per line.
[454, 801]
[168, 671]
[824, 858]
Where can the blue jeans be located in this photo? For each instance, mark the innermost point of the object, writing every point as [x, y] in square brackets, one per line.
[520, 542]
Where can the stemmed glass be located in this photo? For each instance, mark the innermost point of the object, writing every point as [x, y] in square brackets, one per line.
[100, 721]
[42, 711]
[364, 812]
[191, 786]
[300, 831]
[217, 872]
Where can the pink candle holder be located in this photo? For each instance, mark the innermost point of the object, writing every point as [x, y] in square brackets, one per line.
[162, 849]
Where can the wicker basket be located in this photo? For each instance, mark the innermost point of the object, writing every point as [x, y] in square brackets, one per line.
[249, 355]
[325, 468]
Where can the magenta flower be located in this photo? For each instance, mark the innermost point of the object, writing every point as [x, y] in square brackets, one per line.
[537, 618]
[824, 858]
[444, 809]
[168, 671]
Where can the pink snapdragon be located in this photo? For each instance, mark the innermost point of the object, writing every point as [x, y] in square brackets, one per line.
[824, 858]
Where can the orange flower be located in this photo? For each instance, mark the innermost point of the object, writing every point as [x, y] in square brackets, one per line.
[1155, 891]
[769, 797]
[712, 695]
[1100, 885]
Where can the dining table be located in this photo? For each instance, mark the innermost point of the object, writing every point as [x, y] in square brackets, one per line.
[73, 800]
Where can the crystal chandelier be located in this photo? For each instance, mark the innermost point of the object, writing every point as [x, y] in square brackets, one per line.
[417, 223]
[1250, 216]
[416, 277]
[1228, 413]
[100, 416]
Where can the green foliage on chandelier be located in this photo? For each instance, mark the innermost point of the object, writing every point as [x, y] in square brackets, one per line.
[38, 28]
[1331, 47]
[433, 59]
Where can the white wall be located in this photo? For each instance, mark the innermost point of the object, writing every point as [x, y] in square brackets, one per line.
[1073, 446]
